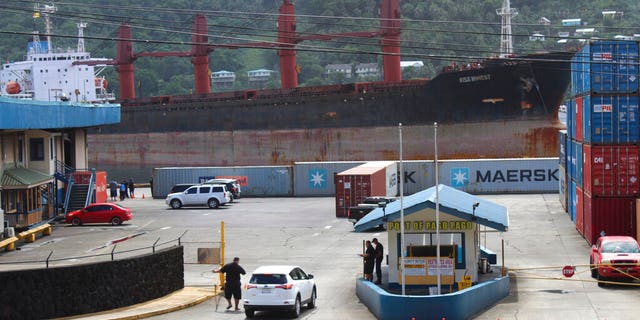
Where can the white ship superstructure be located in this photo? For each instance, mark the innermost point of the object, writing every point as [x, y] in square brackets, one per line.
[54, 75]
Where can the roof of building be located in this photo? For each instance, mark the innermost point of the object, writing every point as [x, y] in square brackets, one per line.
[451, 201]
[22, 178]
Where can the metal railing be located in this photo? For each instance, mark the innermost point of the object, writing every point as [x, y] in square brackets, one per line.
[111, 255]
[92, 186]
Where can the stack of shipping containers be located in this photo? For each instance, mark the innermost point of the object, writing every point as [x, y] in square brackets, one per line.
[602, 140]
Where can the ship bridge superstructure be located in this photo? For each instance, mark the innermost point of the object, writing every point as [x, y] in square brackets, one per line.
[54, 75]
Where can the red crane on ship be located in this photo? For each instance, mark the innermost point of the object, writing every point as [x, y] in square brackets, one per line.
[285, 44]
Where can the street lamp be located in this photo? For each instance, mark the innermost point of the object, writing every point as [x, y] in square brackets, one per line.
[476, 236]
[383, 205]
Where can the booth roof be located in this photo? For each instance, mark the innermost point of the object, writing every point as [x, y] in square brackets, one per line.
[451, 201]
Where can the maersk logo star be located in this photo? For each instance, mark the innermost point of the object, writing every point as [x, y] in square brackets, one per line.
[459, 177]
[317, 178]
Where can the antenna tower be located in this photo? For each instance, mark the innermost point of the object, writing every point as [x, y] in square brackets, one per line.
[47, 10]
[506, 40]
[81, 27]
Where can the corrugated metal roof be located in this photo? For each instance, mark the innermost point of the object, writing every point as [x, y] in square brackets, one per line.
[452, 201]
[22, 178]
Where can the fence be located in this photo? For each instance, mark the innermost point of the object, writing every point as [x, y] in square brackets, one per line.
[51, 261]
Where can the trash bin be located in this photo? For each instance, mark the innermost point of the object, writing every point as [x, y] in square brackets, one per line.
[484, 265]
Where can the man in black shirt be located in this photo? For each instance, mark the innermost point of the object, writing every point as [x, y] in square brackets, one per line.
[232, 286]
[379, 254]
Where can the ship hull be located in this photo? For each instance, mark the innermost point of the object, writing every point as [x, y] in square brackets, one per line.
[134, 155]
[503, 110]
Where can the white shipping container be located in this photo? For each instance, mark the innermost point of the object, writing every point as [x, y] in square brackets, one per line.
[316, 179]
[501, 175]
[391, 174]
[418, 175]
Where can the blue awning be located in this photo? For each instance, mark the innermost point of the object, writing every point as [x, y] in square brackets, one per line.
[452, 202]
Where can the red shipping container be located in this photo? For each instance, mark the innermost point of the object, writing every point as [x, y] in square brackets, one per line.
[355, 184]
[579, 119]
[608, 215]
[611, 170]
[580, 210]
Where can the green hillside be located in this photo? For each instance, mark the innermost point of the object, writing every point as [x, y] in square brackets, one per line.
[435, 32]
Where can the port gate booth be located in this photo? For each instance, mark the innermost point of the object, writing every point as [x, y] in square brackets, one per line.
[25, 196]
[462, 217]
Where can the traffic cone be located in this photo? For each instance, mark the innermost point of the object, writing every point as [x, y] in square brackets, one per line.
[143, 196]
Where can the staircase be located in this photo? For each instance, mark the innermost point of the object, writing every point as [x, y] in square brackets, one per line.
[77, 197]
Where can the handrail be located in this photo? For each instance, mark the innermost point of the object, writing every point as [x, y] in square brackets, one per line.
[111, 254]
[92, 186]
[67, 196]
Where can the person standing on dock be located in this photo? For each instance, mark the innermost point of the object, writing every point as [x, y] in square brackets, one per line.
[379, 255]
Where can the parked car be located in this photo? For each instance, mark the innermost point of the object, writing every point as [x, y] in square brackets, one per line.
[232, 186]
[211, 195]
[99, 213]
[284, 288]
[615, 257]
[181, 187]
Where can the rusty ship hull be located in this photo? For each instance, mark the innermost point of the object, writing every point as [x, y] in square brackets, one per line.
[506, 109]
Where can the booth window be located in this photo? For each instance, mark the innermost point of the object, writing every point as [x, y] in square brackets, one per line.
[36, 149]
[425, 245]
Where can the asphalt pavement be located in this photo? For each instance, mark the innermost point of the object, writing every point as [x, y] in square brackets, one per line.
[541, 240]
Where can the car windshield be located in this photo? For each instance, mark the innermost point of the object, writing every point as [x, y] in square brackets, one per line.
[620, 247]
[268, 279]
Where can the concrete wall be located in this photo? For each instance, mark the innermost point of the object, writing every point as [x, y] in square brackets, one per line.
[458, 305]
[88, 288]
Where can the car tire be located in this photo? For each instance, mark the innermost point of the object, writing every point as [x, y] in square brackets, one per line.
[116, 221]
[594, 269]
[175, 204]
[295, 312]
[76, 222]
[249, 312]
[213, 203]
[312, 302]
[601, 282]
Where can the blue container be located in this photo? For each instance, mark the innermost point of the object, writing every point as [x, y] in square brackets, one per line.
[563, 190]
[562, 147]
[570, 159]
[255, 181]
[575, 161]
[628, 70]
[605, 67]
[572, 201]
[610, 119]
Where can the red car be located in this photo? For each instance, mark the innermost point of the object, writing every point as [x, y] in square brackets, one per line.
[99, 213]
[615, 257]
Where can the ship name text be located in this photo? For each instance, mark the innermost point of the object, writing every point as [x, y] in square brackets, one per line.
[482, 77]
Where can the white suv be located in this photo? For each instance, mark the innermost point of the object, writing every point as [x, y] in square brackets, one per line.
[279, 288]
[202, 195]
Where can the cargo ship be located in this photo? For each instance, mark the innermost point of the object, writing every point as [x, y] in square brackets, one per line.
[503, 107]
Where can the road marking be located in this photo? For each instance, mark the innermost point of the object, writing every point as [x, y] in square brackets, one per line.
[327, 227]
[146, 224]
[315, 234]
[165, 228]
